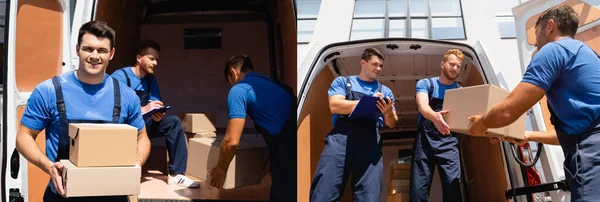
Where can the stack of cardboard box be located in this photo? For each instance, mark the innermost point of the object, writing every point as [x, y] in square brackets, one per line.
[246, 167]
[102, 161]
[398, 188]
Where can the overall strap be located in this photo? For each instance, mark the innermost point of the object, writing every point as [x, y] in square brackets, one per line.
[430, 89]
[117, 107]
[62, 114]
[348, 87]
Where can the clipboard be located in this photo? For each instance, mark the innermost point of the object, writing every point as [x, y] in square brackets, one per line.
[149, 113]
[366, 109]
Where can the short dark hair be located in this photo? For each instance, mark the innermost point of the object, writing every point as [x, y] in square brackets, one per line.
[567, 21]
[238, 60]
[369, 52]
[98, 29]
[143, 45]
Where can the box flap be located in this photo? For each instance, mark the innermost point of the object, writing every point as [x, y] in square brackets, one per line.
[73, 131]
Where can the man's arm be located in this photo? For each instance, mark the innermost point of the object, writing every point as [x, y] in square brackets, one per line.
[546, 137]
[230, 142]
[423, 106]
[516, 104]
[391, 119]
[339, 105]
[27, 147]
[143, 147]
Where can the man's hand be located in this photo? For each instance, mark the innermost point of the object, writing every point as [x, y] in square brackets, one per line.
[477, 127]
[440, 123]
[217, 177]
[520, 142]
[151, 105]
[385, 108]
[55, 171]
[158, 116]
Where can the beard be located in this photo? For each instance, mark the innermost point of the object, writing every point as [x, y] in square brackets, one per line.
[449, 75]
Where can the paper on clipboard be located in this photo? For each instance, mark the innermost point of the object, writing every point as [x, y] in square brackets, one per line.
[149, 113]
[366, 109]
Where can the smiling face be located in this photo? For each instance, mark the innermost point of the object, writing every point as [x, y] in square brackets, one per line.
[94, 54]
[372, 67]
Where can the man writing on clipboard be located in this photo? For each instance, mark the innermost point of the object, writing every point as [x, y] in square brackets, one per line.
[140, 78]
[354, 146]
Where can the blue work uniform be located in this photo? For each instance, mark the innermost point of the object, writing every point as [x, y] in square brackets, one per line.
[64, 99]
[169, 126]
[432, 148]
[272, 106]
[353, 146]
[569, 71]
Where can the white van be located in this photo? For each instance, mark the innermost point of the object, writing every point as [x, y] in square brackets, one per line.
[196, 39]
[489, 171]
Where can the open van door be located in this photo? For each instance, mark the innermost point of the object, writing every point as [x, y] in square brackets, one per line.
[36, 48]
[526, 15]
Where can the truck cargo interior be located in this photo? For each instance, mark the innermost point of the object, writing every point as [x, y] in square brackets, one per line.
[196, 38]
[405, 63]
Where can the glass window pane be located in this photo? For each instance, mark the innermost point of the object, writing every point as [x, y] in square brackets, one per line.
[305, 30]
[419, 29]
[375, 8]
[418, 8]
[398, 8]
[506, 26]
[308, 8]
[397, 28]
[447, 28]
[367, 28]
[504, 7]
[445, 8]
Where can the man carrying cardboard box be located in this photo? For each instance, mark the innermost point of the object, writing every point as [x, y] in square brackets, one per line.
[272, 107]
[140, 77]
[355, 140]
[434, 143]
[86, 95]
[566, 71]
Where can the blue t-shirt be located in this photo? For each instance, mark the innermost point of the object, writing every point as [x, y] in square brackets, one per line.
[439, 89]
[82, 101]
[338, 87]
[139, 84]
[569, 71]
[265, 102]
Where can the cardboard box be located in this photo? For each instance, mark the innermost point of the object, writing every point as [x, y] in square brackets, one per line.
[246, 167]
[103, 144]
[478, 100]
[100, 181]
[199, 122]
[203, 134]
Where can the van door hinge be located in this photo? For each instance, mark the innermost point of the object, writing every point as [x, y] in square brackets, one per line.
[15, 195]
[561, 185]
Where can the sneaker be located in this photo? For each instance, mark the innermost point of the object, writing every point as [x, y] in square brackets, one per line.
[183, 180]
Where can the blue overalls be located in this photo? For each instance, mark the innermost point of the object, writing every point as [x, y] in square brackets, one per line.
[64, 139]
[582, 159]
[282, 150]
[353, 146]
[431, 148]
[170, 126]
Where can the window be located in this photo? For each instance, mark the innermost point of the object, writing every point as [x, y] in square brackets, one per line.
[308, 10]
[428, 19]
[202, 38]
[505, 18]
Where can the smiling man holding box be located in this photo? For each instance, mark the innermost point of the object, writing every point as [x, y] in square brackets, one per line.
[86, 95]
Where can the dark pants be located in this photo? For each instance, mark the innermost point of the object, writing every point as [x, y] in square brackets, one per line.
[349, 151]
[582, 165]
[50, 196]
[283, 167]
[431, 151]
[170, 126]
